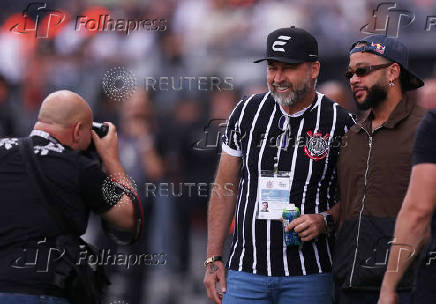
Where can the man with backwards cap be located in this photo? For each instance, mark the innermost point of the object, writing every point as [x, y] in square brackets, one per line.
[374, 167]
[283, 144]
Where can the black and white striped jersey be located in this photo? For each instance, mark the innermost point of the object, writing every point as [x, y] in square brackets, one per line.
[310, 142]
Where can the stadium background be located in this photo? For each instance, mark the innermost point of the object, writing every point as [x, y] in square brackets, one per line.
[168, 133]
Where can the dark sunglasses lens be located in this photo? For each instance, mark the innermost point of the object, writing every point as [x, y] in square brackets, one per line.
[349, 74]
[362, 72]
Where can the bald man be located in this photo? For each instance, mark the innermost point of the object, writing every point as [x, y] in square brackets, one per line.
[29, 234]
[66, 116]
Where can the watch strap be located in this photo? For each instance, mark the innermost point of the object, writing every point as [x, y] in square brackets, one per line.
[212, 259]
[328, 220]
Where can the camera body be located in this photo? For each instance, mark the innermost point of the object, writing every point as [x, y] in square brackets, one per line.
[100, 128]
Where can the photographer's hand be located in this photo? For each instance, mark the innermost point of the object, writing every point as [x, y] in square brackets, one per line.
[107, 148]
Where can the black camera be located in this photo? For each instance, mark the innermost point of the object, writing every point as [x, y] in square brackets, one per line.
[100, 128]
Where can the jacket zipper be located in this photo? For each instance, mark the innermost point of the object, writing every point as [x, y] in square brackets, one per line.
[363, 201]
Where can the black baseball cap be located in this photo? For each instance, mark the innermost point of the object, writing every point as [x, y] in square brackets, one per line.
[291, 45]
[393, 50]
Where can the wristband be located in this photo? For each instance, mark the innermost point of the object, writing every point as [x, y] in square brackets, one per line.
[212, 259]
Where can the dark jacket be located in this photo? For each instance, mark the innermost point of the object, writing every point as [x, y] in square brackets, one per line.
[373, 175]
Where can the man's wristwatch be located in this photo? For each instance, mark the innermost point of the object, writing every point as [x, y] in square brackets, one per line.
[329, 222]
[212, 259]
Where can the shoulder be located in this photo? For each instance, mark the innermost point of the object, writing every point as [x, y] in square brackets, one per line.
[341, 111]
[248, 106]
[415, 117]
[428, 122]
[51, 149]
[7, 144]
[254, 101]
[431, 116]
[419, 112]
[55, 152]
[343, 116]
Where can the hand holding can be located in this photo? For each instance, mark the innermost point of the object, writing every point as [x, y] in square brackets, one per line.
[290, 213]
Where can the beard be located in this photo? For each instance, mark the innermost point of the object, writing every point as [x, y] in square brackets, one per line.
[294, 95]
[374, 97]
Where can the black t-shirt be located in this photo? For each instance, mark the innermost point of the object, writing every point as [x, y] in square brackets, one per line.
[26, 230]
[424, 151]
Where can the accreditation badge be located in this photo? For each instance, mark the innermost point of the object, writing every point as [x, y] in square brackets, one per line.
[273, 194]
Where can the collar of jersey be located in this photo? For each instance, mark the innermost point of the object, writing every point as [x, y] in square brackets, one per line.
[314, 105]
[45, 135]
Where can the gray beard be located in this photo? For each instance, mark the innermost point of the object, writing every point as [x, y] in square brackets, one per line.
[292, 98]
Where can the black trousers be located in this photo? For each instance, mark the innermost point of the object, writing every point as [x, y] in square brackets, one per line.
[366, 297]
[425, 291]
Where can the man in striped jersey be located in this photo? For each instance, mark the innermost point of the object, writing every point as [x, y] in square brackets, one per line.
[293, 129]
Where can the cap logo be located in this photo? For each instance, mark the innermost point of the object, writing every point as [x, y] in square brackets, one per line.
[281, 40]
[378, 47]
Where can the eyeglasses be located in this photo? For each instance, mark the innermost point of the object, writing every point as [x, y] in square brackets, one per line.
[365, 70]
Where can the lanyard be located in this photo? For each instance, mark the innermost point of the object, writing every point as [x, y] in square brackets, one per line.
[282, 144]
[285, 126]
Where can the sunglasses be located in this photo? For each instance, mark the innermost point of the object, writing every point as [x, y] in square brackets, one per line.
[365, 70]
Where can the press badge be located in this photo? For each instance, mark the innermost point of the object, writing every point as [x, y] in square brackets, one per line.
[273, 194]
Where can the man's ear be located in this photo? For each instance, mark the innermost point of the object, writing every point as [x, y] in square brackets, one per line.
[315, 69]
[394, 72]
[76, 132]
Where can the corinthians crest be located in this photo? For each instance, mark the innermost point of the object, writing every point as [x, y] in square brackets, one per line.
[317, 145]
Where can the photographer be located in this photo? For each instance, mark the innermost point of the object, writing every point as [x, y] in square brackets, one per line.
[47, 194]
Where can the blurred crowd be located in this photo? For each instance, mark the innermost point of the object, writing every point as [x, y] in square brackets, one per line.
[171, 134]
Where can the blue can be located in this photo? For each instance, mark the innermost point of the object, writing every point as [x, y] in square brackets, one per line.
[291, 238]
